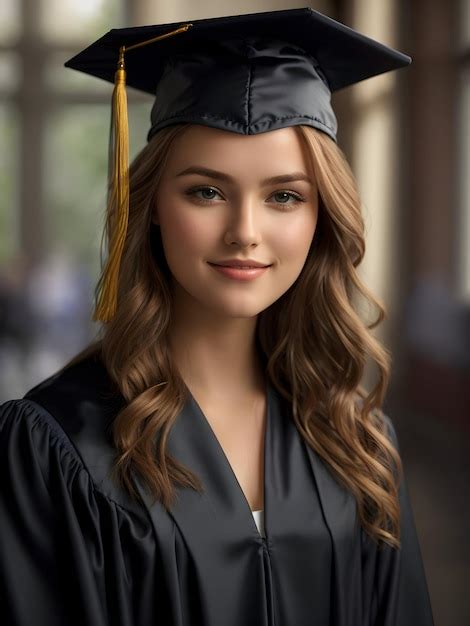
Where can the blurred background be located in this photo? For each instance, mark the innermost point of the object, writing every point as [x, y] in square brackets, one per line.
[407, 137]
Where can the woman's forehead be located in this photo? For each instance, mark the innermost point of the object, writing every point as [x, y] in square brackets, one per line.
[212, 147]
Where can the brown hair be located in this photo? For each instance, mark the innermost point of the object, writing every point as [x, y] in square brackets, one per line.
[313, 340]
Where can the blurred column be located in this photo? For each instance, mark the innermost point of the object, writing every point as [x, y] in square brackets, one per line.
[432, 125]
[463, 269]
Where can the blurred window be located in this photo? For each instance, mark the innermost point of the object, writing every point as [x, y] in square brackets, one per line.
[85, 20]
[54, 124]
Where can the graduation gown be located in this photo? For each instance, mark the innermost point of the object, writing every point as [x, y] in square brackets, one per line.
[77, 550]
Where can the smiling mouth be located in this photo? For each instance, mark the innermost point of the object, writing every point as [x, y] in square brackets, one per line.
[241, 267]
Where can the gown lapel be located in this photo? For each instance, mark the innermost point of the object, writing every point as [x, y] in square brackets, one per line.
[340, 513]
[302, 568]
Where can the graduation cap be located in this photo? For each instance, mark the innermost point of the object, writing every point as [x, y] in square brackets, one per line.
[247, 74]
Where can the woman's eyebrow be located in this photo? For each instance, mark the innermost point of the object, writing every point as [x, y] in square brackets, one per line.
[282, 178]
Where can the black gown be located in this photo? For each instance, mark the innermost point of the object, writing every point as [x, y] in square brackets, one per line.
[77, 550]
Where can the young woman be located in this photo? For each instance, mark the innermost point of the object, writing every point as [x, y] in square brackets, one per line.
[213, 458]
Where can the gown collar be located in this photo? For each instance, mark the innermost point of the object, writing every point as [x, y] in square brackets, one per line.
[219, 522]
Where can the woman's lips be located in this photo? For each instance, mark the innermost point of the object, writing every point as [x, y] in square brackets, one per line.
[238, 273]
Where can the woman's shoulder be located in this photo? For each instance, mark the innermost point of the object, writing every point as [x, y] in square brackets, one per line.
[64, 532]
[64, 424]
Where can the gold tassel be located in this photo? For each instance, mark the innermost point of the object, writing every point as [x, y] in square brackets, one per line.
[118, 185]
[118, 194]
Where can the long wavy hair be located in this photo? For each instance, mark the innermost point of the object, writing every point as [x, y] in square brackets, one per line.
[312, 340]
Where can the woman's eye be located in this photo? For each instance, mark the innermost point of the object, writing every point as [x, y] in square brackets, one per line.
[286, 195]
[204, 190]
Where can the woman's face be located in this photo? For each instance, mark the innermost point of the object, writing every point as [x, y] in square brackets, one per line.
[234, 211]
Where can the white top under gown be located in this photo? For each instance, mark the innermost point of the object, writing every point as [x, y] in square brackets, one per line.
[259, 521]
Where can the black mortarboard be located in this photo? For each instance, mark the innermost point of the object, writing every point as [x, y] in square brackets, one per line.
[245, 73]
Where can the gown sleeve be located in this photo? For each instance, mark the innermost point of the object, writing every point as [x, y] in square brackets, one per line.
[401, 596]
[46, 573]
[61, 557]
